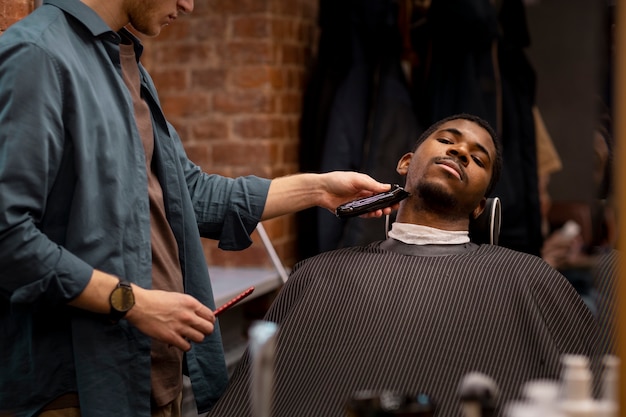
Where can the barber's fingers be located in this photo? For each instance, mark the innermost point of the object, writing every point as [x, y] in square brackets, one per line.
[193, 324]
[198, 328]
[184, 342]
[205, 313]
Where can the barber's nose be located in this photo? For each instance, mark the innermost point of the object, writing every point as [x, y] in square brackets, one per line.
[185, 6]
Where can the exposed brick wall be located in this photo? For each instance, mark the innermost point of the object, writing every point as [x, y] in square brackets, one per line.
[231, 77]
[13, 10]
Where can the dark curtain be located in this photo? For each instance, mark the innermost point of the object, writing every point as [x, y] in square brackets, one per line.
[363, 112]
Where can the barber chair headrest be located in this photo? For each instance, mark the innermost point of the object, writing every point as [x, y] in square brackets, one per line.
[486, 227]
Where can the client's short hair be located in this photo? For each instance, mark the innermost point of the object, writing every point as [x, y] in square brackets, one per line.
[497, 163]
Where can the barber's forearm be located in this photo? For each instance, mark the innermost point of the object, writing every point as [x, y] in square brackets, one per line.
[292, 193]
[95, 296]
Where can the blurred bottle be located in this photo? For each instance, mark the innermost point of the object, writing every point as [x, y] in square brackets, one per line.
[478, 394]
[576, 398]
[608, 404]
[390, 404]
[262, 336]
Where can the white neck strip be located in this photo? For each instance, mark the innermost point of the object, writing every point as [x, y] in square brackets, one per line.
[415, 234]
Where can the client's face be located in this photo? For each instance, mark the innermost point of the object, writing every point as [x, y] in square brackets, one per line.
[452, 168]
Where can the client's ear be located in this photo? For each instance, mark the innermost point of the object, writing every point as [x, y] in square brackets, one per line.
[403, 164]
[479, 208]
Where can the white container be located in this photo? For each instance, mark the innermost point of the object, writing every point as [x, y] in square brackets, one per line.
[576, 398]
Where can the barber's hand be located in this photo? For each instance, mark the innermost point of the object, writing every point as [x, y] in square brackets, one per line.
[174, 318]
[293, 193]
[343, 187]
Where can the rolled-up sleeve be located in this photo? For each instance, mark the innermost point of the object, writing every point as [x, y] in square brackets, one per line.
[226, 209]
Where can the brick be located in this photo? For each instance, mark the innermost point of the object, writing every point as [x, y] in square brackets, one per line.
[184, 106]
[147, 57]
[255, 255]
[242, 102]
[303, 33]
[212, 28]
[181, 54]
[199, 153]
[170, 80]
[295, 79]
[208, 79]
[286, 169]
[307, 34]
[260, 128]
[281, 30]
[231, 77]
[290, 103]
[250, 52]
[290, 255]
[310, 10]
[243, 153]
[293, 126]
[292, 54]
[286, 8]
[181, 127]
[17, 9]
[259, 169]
[225, 171]
[281, 171]
[177, 31]
[277, 77]
[253, 77]
[275, 228]
[291, 221]
[291, 153]
[238, 171]
[257, 27]
[12, 11]
[210, 129]
[201, 8]
[238, 7]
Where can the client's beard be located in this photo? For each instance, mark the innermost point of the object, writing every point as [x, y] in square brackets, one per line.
[436, 198]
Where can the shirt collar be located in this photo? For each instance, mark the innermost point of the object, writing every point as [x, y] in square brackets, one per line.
[83, 13]
[94, 23]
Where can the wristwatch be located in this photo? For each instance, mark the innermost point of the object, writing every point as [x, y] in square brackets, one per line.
[121, 300]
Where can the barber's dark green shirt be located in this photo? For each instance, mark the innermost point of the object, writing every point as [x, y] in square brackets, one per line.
[73, 197]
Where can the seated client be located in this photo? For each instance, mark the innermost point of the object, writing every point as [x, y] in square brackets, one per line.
[416, 312]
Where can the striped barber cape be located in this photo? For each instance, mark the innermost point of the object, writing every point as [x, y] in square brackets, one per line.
[391, 316]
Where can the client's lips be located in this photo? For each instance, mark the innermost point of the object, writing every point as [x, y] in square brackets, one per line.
[452, 167]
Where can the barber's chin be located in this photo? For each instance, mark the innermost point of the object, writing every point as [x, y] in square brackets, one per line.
[155, 31]
[151, 31]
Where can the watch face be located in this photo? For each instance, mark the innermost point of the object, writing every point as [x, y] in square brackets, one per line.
[122, 298]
